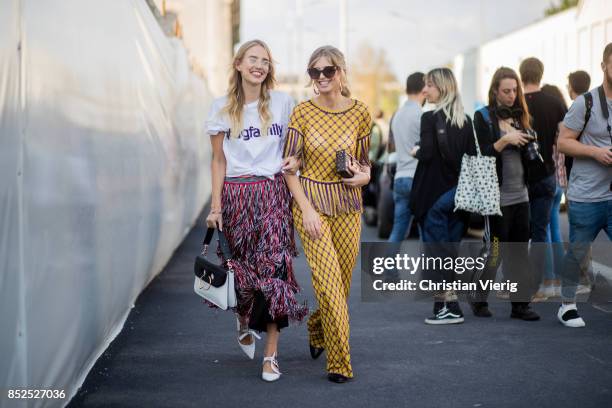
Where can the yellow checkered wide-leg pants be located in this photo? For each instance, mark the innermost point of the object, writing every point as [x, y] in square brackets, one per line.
[332, 259]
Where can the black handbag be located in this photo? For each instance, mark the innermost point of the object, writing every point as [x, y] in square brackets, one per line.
[214, 282]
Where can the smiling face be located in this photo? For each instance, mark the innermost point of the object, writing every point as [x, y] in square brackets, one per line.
[326, 85]
[431, 91]
[255, 65]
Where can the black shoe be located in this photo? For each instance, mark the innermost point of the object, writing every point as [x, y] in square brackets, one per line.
[481, 309]
[437, 307]
[523, 311]
[315, 352]
[450, 313]
[337, 378]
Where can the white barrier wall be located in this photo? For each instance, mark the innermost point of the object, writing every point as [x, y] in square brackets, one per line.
[566, 42]
[103, 170]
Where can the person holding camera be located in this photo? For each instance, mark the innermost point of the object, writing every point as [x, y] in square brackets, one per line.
[504, 131]
[589, 192]
[324, 132]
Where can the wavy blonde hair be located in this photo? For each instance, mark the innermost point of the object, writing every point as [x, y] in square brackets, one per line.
[337, 59]
[450, 100]
[235, 94]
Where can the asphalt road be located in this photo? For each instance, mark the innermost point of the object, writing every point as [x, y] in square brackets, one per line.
[176, 352]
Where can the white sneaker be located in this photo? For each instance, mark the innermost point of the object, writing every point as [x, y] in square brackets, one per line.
[269, 377]
[243, 332]
[568, 316]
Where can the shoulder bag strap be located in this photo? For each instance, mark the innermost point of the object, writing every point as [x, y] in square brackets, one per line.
[225, 248]
[588, 101]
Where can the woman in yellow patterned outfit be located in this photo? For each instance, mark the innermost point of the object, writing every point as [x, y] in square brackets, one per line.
[327, 208]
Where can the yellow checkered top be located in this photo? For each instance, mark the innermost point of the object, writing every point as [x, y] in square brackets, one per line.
[315, 134]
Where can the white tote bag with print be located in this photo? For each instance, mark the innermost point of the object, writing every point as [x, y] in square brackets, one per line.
[478, 188]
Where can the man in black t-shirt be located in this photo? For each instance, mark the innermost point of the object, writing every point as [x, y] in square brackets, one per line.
[546, 112]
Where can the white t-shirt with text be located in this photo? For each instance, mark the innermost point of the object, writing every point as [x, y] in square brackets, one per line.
[253, 153]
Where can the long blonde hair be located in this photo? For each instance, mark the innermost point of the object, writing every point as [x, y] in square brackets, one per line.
[450, 100]
[337, 59]
[235, 94]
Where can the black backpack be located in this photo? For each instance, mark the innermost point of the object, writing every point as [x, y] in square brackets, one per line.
[588, 101]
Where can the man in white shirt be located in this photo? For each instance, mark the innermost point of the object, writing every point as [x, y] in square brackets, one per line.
[406, 129]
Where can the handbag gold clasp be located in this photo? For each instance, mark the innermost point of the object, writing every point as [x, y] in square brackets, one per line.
[210, 279]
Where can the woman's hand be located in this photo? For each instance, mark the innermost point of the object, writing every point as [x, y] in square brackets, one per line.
[360, 178]
[215, 220]
[291, 165]
[311, 220]
[414, 151]
[517, 138]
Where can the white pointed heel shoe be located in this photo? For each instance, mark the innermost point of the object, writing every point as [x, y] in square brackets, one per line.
[269, 377]
[243, 332]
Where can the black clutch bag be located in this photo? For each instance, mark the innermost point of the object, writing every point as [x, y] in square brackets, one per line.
[343, 161]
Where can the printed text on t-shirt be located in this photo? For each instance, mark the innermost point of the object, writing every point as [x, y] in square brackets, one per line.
[252, 132]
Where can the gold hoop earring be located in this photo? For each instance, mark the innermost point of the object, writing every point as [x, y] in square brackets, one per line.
[341, 88]
[315, 90]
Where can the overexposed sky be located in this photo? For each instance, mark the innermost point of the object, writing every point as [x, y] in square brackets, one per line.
[416, 34]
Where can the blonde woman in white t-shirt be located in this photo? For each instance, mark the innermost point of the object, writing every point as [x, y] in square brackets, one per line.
[251, 202]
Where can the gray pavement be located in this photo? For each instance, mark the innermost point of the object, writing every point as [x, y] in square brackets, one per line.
[176, 352]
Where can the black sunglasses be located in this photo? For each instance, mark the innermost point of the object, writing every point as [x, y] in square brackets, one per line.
[328, 72]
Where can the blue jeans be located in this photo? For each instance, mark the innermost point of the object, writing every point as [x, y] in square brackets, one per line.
[442, 223]
[441, 233]
[554, 257]
[541, 197]
[586, 221]
[403, 216]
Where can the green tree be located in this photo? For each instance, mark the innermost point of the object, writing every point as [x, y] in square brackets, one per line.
[557, 7]
[372, 80]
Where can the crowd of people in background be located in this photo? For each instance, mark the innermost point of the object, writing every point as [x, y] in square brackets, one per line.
[542, 150]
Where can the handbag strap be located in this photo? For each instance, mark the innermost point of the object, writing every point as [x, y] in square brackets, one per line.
[225, 248]
[484, 111]
[478, 153]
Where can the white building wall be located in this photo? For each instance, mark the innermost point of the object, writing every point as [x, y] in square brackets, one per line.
[565, 42]
[207, 34]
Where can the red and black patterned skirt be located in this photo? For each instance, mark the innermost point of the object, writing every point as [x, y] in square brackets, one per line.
[258, 224]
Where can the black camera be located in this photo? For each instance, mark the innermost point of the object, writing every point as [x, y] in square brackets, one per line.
[531, 150]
